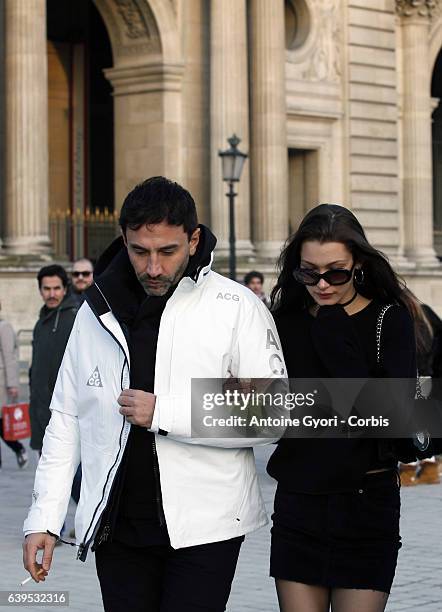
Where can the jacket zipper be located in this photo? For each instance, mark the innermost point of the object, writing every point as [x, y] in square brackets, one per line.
[160, 511]
[103, 537]
[84, 546]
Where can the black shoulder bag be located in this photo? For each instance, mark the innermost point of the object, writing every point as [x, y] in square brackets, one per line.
[419, 444]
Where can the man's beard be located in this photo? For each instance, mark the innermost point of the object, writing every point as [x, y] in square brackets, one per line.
[160, 285]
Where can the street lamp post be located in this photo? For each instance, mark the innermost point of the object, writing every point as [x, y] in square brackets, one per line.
[232, 164]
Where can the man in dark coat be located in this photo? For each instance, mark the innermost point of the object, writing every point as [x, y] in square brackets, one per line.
[82, 277]
[49, 340]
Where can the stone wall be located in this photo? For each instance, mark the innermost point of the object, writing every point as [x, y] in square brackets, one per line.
[373, 115]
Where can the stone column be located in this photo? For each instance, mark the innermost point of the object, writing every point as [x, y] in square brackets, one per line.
[229, 113]
[147, 124]
[26, 109]
[269, 157]
[417, 156]
[196, 104]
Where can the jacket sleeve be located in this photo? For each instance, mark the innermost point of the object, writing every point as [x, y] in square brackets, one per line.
[8, 347]
[256, 354]
[61, 451]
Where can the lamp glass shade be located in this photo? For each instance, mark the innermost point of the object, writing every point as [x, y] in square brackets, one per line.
[232, 165]
[228, 164]
[238, 166]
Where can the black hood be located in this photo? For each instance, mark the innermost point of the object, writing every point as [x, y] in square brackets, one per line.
[201, 258]
[68, 302]
[118, 282]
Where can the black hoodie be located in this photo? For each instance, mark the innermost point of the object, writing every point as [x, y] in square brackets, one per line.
[134, 514]
[49, 339]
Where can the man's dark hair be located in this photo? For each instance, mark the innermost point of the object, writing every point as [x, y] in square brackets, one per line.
[53, 270]
[251, 275]
[155, 200]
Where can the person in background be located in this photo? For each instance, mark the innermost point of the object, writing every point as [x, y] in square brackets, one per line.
[254, 281]
[429, 365]
[9, 383]
[49, 339]
[82, 276]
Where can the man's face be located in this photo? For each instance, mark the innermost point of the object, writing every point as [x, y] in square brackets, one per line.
[255, 285]
[52, 291]
[159, 255]
[82, 275]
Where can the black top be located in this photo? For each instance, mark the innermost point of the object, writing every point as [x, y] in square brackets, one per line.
[334, 344]
[140, 519]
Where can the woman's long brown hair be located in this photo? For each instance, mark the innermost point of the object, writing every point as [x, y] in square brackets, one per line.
[334, 223]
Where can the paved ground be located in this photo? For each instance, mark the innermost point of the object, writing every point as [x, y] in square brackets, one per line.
[418, 583]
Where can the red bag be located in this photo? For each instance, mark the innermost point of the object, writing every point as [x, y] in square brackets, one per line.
[16, 422]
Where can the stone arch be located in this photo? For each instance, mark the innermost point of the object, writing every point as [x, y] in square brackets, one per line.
[435, 42]
[140, 30]
[146, 77]
[166, 18]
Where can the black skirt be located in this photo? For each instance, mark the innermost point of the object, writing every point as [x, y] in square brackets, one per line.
[339, 540]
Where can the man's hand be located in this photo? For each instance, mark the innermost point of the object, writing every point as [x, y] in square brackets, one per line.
[137, 406]
[33, 543]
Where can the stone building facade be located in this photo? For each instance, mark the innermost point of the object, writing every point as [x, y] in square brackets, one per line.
[334, 101]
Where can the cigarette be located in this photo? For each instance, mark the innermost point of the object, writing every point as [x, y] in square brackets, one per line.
[26, 580]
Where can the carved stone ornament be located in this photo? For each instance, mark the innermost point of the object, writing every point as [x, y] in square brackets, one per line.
[325, 60]
[136, 26]
[420, 8]
[174, 4]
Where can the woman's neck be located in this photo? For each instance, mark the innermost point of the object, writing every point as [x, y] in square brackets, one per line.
[356, 305]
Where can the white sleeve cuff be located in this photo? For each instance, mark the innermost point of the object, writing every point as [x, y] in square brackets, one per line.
[163, 414]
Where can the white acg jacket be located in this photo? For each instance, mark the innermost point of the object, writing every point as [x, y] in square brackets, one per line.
[210, 328]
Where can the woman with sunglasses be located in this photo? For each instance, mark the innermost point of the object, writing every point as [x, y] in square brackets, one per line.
[335, 535]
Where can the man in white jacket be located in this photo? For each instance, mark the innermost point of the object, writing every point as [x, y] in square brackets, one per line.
[165, 512]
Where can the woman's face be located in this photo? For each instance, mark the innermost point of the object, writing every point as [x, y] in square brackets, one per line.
[321, 257]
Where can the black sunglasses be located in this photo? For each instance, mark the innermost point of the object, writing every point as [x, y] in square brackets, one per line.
[86, 274]
[332, 277]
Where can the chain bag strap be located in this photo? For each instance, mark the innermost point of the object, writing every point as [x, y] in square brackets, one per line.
[421, 439]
